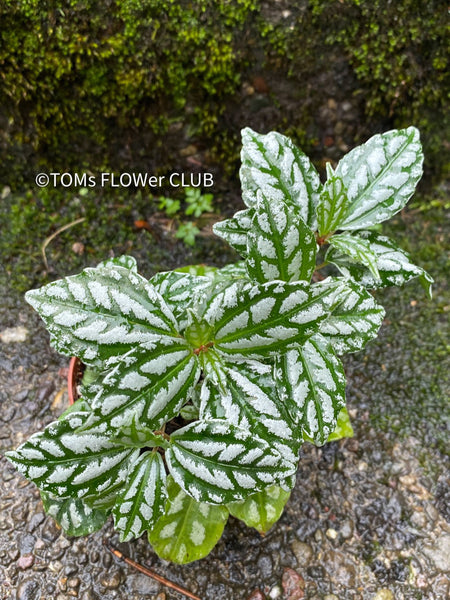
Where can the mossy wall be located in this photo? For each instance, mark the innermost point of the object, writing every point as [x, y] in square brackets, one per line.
[129, 84]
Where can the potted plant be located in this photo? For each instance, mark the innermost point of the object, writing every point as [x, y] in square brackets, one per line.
[204, 383]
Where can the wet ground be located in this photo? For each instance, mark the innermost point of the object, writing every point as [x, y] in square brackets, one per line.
[368, 519]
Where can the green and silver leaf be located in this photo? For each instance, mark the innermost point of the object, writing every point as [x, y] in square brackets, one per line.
[73, 515]
[380, 176]
[312, 385]
[235, 230]
[232, 271]
[101, 314]
[149, 385]
[65, 463]
[125, 260]
[357, 248]
[179, 290]
[188, 530]
[261, 510]
[333, 204]
[354, 320]
[136, 435]
[394, 265]
[246, 395]
[344, 427]
[272, 164]
[142, 501]
[279, 244]
[217, 462]
[260, 320]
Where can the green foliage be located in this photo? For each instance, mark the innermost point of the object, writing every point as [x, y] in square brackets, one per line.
[247, 355]
[196, 204]
[397, 52]
[87, 84]
[261, 510]
[82, 78]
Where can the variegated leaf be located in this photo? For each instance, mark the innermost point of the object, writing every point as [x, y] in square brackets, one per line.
[125, 260]
[136, 435]
[235, 230]
[261, 510]
[232, 271]
[200, 270]
[312, 383]
[142, 502]
[149, 385]
[343, 427]
[188, 530]
[271, 163]
[73, 515]
[179, 290]
[333, 204]
[357, 248]
[394, 265]
[258, 320]
[354, 320]
[66, 463]
[380, 176]
[217, 462]
[100, 314]
[280, 245]
[245, 394]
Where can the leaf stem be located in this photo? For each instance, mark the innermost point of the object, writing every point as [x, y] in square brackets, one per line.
[322, 265]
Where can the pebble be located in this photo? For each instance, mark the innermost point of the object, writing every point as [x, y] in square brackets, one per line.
[35, 521]
[346, 529]
[331, 533]
[50, 530]
[384, 594]
[14, 335]
[265, 565]
[256, 595]
[138, 583]
[89, 595]
[275, 592]
[26, 561]
[112, 581]
[303, 552]
[29, 589]
[439, 553]
[70, 569]
[293, 585]
[62, 583]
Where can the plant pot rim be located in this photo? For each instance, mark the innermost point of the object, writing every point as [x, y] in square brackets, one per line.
[72, 379]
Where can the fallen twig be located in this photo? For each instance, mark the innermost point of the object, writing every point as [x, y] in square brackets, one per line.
[149, 573]
[57, 232]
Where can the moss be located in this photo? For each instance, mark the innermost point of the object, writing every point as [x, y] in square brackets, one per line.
[398, 55]
[82, 78]
[121, 84]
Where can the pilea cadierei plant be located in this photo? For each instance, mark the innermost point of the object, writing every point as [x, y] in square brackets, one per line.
[207, 381]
